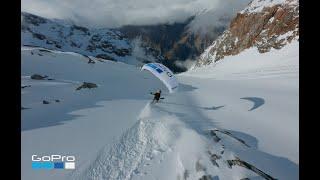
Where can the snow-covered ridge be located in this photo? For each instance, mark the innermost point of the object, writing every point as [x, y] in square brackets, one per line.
[52, 34]
[258, 5]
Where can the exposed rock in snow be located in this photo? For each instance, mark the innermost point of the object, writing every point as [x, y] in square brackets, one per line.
[38, 77]
[87, 85]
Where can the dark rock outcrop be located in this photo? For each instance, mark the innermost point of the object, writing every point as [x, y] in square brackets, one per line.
[106, 57]
[244, 164]
[87, 85]
[32, 19]
[39, 36]
[38, 77]
[45, 102]
[22, 87]
[206, 177]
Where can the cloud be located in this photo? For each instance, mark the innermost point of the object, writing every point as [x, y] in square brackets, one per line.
[186, 64]
[139, 52]
[116, 13]
[219, 16]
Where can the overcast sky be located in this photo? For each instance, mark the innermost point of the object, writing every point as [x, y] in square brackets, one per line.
[115, 13]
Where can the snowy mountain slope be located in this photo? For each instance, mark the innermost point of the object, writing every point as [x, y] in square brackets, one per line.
[198, 132]
[61, 127]
[51, 34]
[276, 72]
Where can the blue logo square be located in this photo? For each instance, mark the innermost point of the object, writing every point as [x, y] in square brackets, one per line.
[159, 70]
[58, 165]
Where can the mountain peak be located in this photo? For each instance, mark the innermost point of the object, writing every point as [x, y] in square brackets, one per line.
[264, 24]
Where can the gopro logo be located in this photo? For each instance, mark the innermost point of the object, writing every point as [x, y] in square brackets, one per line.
[53, 162]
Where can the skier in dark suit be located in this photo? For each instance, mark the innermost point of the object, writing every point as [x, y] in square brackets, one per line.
[156, 97]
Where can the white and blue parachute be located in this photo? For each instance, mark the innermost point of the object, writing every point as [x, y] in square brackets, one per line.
[164, 74]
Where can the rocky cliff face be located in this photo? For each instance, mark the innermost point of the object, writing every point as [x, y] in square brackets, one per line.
[264, 24]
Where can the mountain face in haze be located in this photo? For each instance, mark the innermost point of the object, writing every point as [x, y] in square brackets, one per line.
[173, 42]
[179, 43]
[101, 43]
[264, 24]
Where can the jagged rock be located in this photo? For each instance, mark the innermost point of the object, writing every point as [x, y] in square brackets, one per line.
[80, 28]
[50, 42]
[91, 61]
[45, 102]
[244, 164]
[106, 57]
[206, 177]
[73, 44]
[214, 135]
[32, 19]
[22, 87]
[39, 36]
[229, 134]
[96, 37]
[91, 48]
[214, 158]
[38, 77]
[122, 52]
[45, 50]
[106, 45]
[87, 85]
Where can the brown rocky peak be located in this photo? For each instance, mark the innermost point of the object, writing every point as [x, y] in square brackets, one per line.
[264, 24]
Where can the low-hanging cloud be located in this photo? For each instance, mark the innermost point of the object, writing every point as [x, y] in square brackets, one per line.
[186, 64]
[219, 16]
[116, 13]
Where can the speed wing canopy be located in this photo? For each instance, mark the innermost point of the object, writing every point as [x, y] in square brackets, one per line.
[164, 74]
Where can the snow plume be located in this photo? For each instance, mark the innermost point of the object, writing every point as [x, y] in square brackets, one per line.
[187, 64]
[139, 52]
[116, 13]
